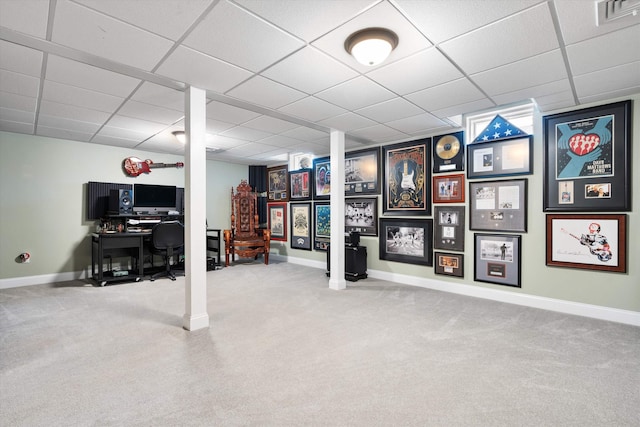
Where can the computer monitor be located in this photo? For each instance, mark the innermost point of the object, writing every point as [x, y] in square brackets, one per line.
[154, 199]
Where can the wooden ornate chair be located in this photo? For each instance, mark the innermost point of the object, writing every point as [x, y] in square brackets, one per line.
[245, 238]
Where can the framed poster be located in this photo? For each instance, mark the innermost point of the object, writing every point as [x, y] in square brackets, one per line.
[322, 178]
[300, 185]
[498, 205]
[505, 157]
[448, 230]
[277, 179]
[448, 188]
[497, 259]
[448, 153]
[406, 240]
[301, 225]
[587, 160]
[322, 230]
[407, 176]
[277, 217]
[449, 264]
[361, 215]
[362, 172]
[591, 242]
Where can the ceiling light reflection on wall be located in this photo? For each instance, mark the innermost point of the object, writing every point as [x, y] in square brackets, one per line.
[371, 46]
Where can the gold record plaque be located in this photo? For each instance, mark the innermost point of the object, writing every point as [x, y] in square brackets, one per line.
[448, 153]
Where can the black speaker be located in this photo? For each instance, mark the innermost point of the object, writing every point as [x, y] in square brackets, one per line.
[121, 201]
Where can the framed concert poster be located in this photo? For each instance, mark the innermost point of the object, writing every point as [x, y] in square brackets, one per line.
[505, 157]
[361, 215]
[497, 259]
[498, 205]
[448, 153]
[300, 185]
[322, 178]
[406, 240]
[301, 225]
[322, 230]
[448, 230]
[278, 183]
[449, 264]
[587, 161]
[362, 172]
[448, 188]
[278, 221]
[591, 242]
[407, 176]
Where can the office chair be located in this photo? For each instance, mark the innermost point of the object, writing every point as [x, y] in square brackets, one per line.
[167, 239]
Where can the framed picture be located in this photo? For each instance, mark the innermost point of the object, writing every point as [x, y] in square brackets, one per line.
[407, 177]
[300, 161]
[361, 215]
[591, 242]
[300, 185]
[500, 158]
[277, 179]
[362, 172]
[448, 188]
[448, 152]
[587, 159]
[322, 230]
[449, 228]
[301, 225]
[498, 205]
[449, 264]
[497, 259]
[278, 221]
[322, 178]
[406, 240]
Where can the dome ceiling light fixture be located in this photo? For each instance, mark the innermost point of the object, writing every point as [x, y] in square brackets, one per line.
[180, 136]
[371, 46]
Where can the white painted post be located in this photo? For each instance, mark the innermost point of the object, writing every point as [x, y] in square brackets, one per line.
[337, 280]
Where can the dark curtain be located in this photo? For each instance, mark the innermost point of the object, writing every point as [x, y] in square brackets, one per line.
[258, 181]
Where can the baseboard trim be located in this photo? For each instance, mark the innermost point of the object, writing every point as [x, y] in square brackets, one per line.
[568, 307]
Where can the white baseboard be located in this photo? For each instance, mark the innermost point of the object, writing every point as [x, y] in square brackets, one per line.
[569, 307]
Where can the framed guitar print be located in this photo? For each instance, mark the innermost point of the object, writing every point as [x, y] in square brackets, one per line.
[407, 178]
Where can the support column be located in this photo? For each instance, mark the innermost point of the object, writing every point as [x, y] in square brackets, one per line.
[196, 316]
[337, 280]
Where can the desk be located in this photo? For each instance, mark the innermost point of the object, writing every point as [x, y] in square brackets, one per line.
[213, 245]
[117, 244]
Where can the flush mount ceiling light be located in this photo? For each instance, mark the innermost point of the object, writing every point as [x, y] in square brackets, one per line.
[180, 136]
[371, 46]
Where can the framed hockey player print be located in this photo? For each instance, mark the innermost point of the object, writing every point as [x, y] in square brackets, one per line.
[592, 242]
[448, 153]
[587, 159]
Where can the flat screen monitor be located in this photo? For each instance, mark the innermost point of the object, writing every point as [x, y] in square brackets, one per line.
[154, 199]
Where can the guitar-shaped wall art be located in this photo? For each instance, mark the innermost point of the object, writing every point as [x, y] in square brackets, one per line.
[407, 178]
[134, 166]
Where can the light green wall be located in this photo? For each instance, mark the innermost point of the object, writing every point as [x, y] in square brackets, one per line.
[43, 198]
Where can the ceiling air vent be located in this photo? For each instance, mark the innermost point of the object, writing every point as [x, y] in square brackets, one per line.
[614, 10]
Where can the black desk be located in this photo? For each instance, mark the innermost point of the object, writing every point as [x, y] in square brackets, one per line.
[213, 246]
[117, 244]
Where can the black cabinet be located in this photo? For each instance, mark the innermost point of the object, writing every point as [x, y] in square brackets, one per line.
[355, 258]
[213, 249]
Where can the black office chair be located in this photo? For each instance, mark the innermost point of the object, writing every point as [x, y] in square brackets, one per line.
[167, 239]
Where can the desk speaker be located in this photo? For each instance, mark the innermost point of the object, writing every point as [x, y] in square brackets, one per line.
[121, 201]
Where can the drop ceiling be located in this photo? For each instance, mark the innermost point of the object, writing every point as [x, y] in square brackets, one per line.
[277, 76]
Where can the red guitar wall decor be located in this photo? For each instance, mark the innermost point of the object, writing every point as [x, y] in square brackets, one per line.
[134, 166]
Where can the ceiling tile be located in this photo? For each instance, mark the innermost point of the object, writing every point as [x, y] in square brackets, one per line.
[536, 92]
[202, 71]
[20, 116]
[312, 109]
[20, 59]
[19, 84]
[29, 17]
[610, 82]
[387, 111]
[18, 102]
[381, 15]
[58, 122]
[548, 67]
[577, 20]
[281, 141]
[379, 133]
[141, 127]
[152, 113]
[424, 69]
[530, 33]
[250, 149]
[66, 133]
[17, 127]
[84, 29]
[581, 54]
[416, 124]
[294, 71]
[114, 140]
[304, 133]
[446, 95]
[168, 18]
[263, 44]
[355, 93]
[215, 126]
[244, 133]
[76, 74]
[261, 91]
[556, 100]
[464, 108]
[347, 122]
[151, 93]
[55, 109]
[270, 124]
[84, 98]
[228, 113]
